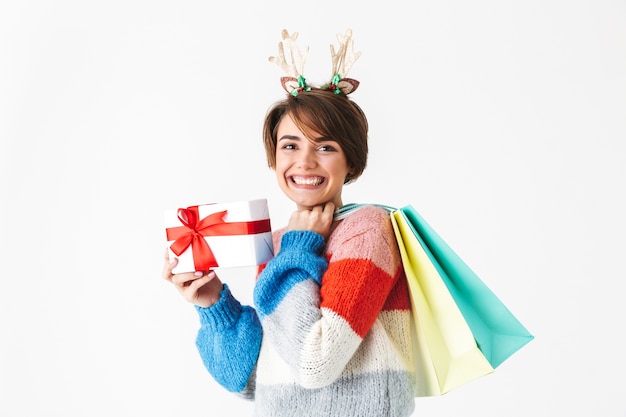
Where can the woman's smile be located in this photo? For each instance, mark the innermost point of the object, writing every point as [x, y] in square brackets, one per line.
[307, 180]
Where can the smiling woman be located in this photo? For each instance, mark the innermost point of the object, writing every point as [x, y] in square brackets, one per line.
[329, 333]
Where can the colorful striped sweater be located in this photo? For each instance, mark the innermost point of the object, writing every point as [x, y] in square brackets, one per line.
[329, 334]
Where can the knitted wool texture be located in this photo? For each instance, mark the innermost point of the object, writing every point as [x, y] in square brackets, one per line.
[329, 334]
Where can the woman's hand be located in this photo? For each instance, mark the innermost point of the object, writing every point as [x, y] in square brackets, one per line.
[200, 289]
[319, 219]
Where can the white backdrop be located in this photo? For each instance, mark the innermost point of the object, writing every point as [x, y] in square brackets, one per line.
[503, 122]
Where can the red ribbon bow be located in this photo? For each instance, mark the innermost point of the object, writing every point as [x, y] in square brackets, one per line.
[194, 230]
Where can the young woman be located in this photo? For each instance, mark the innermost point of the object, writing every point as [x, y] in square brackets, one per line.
[329, 331]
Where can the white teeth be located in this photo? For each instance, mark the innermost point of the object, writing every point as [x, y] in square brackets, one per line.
[308, 180]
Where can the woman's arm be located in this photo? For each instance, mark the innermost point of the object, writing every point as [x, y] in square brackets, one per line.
[229, 341]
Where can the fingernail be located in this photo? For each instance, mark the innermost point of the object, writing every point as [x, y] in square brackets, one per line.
[198, 273]
[211, 274]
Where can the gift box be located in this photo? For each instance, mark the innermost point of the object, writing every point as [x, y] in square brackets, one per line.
[219, 235]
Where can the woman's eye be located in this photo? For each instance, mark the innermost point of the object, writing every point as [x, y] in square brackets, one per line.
[289, 146]
[326, 148]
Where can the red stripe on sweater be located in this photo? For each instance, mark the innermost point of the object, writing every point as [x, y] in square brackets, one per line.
[399, 298]
[358, 290]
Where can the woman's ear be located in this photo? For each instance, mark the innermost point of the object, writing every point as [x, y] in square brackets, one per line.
[349, 176]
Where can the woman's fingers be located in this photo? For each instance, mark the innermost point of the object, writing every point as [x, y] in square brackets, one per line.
[319, 219]
[183, 280]
[329, 209]
[188, 278]
[193, 286]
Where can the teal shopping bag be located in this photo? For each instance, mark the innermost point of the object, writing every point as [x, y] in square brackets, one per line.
[498, 333]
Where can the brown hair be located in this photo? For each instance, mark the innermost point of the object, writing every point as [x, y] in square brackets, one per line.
[325, 113]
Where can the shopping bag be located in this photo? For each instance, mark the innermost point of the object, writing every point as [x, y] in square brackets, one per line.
[445, 351]
[498, 333]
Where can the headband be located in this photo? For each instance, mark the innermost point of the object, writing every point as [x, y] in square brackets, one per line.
[342, 59]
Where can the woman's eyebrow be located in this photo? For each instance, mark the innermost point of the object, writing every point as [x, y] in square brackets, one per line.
[289, 137]
[316, 140]
[322, 139]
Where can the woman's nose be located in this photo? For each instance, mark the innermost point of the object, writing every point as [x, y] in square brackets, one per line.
[307, 159]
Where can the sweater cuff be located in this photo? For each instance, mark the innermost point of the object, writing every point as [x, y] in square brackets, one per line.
[223, 314]
[303, 240]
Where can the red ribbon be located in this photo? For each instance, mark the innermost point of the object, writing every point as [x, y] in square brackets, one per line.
[194, 230]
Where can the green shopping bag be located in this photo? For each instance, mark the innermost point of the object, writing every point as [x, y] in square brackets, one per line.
[498, 333]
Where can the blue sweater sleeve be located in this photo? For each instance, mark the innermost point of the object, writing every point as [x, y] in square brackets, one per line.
[229, 341]
[301, 257]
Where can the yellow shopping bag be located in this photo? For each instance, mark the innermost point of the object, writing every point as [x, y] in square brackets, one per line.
[445, 351]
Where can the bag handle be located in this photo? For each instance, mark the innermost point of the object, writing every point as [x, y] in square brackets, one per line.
[343, 211]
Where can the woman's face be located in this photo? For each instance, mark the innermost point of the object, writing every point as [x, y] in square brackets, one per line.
[310, 170]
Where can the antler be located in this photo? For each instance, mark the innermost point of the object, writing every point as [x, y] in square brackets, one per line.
[345, 57]
[291, 60]
[295, 68]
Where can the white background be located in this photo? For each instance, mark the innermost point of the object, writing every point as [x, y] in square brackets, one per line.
[503, 122]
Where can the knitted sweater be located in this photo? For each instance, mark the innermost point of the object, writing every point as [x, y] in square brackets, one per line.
[330, 332]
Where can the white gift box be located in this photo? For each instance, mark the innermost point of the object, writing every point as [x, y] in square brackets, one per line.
[239, 237]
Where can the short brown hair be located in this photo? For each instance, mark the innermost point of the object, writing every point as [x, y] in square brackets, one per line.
[325, 113]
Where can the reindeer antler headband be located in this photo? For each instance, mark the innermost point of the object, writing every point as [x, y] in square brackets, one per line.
[295, 83]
